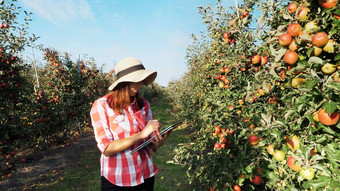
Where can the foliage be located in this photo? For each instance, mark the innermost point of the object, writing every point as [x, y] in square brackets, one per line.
[151, 91]
[230, 95]
[54, 109]
[15, 89]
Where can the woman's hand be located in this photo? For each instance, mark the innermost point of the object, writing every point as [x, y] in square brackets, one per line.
[152, 126]
[122, 144]
[159, 140]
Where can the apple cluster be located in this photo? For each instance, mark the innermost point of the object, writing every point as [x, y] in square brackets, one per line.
[312, 36]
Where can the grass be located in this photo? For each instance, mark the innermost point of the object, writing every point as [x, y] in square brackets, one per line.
[170, 176]
[85, 173]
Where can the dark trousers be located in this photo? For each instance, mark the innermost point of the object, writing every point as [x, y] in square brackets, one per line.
[146, 186]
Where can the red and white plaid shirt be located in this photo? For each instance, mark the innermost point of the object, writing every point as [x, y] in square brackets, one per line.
[122, 169]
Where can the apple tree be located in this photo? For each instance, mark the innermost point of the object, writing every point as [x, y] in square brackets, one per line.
[15, 89]
[263, 101]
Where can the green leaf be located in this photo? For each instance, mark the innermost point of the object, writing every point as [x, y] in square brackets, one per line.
[300, 107]
[313, 73]
[287, 17]
[309, 51]
[279, 55]
[322, 181]
[337, 12]
[297, 69]
[249, 169]
[328, 130]
[271, 176]
[337, 57]
[292, 188]
[317, 157]
[260, 19]
[329, 106]
[324, 169]
[334, 184]
[310, 83]
[333, 154]
[277, 134]
[321, 139]
[289, 114]
[274, 74]
[333, 85]
[242, 133]
[315, 60]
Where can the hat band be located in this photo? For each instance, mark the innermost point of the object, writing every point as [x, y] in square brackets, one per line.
[129, 70]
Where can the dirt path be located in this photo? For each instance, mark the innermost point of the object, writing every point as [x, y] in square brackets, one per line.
[43, 168]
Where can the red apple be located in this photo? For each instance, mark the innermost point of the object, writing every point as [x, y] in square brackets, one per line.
[226, 35]
[292, 164]
[255, 59]
[217, 129]
[320, 39]
[328, 119]
[236, 188]
[285, 39]
[256, 180]
[264, 60]
[327, 4]
[253, 140]
[292, 8]
[294, 29]
[217, 77]
[226, 69]
[244, 14]
[231, 107]
[223, 145]
[217, 145]
[302, 13]
[291, 57]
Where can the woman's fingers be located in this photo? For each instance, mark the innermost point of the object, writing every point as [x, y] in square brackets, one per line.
[166, 134]
[159, 140]
[152, 126]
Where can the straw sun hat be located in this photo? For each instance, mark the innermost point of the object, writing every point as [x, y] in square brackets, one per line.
[132, 70]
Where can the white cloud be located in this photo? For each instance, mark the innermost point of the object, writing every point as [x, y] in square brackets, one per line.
[61, 11]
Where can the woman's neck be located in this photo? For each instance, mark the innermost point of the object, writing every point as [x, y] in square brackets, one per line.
[132, 99]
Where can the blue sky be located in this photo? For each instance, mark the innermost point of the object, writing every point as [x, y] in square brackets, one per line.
[155, 31]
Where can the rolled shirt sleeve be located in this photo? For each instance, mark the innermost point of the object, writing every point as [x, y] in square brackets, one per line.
[100, 123]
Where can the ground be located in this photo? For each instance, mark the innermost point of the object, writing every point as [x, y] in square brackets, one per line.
[44, 168]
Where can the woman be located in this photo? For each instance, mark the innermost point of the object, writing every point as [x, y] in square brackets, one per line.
[122, 120]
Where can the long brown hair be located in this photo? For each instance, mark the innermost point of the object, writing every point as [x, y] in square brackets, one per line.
[119, 98]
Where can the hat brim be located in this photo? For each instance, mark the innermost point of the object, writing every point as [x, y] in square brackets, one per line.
[147, 76]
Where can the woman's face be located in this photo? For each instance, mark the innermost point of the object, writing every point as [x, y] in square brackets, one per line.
[134, 88]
